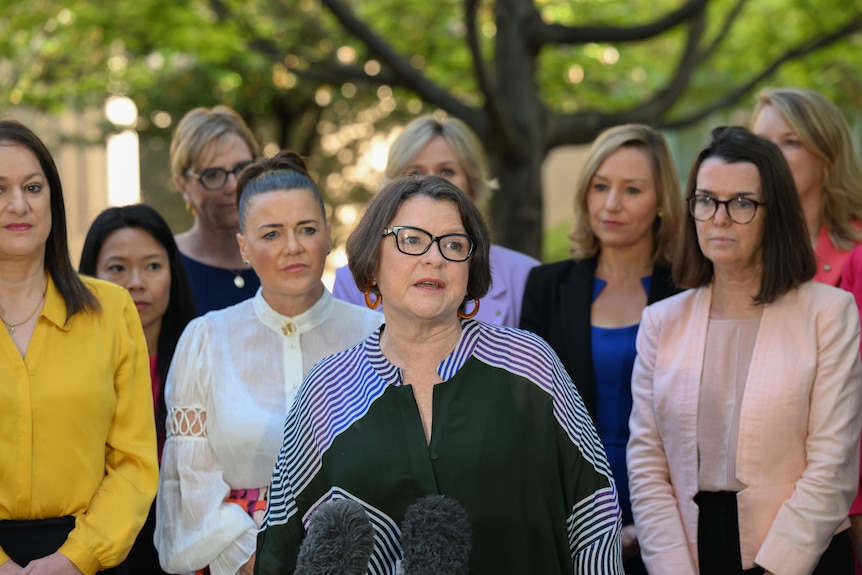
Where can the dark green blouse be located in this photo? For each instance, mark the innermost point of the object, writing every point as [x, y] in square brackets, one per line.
[511, 442]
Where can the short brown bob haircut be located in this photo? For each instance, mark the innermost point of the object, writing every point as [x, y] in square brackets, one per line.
[788, 259]
[363, 245]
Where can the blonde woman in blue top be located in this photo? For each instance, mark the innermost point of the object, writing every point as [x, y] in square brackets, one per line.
[627, 209]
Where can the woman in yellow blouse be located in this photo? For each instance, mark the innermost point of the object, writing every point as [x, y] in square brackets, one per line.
[78, 466]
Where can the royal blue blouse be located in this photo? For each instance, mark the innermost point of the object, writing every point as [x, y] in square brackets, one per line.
[613, 360]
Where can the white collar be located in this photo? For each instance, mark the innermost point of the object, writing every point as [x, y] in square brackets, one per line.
[293, 326]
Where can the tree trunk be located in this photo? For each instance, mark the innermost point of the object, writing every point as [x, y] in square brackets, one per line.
[517, 144]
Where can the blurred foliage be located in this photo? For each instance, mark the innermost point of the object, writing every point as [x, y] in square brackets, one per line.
[620, 76]
[268, 57]
[556, 244]
[303, 81]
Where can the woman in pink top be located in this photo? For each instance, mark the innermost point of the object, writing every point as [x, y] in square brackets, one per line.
[814, 137]
[851, 280]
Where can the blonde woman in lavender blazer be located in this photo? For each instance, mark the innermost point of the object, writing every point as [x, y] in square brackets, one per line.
[750, 469]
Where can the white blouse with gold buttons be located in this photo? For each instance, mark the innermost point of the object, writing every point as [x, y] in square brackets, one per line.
[237, 370]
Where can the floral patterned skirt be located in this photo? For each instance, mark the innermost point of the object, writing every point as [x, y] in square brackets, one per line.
[253, 501]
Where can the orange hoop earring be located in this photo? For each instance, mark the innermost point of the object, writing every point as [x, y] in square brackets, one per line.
[376, 303]
[473, 313]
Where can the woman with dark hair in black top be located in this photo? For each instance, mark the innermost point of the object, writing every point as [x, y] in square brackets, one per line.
[133, 246]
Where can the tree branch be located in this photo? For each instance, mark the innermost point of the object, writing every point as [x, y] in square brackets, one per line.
[578, 128]
[854, 25]
[323, 72]
[329, 73]
[404, 74]
[691, 58]
[541, 33]
[562, 126]
[725, 29]
[470, 9]
[492, 102]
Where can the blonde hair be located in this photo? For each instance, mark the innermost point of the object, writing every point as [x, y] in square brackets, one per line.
[463, 141]
[198, 129]
[823, 130]
[584, 243]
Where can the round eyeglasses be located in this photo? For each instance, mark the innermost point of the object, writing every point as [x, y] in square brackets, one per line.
[214, 179]
[416, 241]
[741, 209]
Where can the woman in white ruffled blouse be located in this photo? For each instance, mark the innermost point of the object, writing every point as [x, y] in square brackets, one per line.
[236, 371]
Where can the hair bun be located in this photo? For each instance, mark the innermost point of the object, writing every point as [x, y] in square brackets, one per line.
[288, 160]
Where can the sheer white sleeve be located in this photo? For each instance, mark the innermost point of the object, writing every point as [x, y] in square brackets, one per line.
[195, 526]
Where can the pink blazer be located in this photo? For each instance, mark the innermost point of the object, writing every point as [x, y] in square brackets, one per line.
[799, 430]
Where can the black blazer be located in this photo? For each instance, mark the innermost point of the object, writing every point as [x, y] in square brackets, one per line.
[557, 304]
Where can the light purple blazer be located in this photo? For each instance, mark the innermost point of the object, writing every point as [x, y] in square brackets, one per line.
[501, 305]
[799, 429]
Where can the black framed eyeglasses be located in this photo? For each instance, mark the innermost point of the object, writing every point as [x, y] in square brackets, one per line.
[416, 241]
[741, 209]
[214, 179]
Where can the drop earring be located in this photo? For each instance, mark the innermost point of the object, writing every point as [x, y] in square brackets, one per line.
[372, 304]
[472, 314]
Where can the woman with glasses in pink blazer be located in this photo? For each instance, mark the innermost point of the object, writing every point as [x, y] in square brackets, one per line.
[744, 448]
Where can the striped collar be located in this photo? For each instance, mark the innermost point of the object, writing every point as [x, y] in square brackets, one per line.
[470, 332]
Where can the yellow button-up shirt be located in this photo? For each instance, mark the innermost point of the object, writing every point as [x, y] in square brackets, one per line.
[76, 426]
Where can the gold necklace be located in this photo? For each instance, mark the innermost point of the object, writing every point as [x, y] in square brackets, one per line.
[11, 326]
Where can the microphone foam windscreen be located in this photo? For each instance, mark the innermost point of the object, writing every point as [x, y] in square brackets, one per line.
[436, 537]
[339, 541]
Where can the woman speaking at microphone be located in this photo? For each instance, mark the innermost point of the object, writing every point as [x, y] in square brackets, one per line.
[435, 402]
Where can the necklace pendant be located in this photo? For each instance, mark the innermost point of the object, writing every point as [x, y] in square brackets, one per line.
[239, 281]
[11, 328]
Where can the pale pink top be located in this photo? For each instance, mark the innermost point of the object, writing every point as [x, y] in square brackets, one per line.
[729, 347]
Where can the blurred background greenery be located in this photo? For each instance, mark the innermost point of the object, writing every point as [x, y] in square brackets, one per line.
[333, 78]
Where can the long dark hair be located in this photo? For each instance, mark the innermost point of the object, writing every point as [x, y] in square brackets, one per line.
[75, 294]
[788, 259]
[181, 306]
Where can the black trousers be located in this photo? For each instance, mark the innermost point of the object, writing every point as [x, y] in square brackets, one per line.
[718, 541]
[143, 559]
[26, 541]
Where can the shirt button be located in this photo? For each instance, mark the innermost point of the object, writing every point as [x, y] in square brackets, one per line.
[827, 267]
[288, 329]
[434, 455]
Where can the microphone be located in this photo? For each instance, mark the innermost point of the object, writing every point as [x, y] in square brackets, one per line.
[339, 541]
[436, 537]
